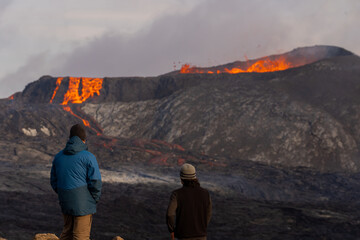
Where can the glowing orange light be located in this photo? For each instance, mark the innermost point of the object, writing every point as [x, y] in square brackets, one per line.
[58, 83]
[86, 123]
[89, 87]
[68, 109]
[186, 69]
[264, 65]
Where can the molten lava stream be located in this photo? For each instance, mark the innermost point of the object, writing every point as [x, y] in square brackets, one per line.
[86, 123]
[264, 65]
[58, 83]
[90, 86]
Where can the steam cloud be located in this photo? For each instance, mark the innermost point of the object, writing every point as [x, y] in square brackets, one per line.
[215, 32]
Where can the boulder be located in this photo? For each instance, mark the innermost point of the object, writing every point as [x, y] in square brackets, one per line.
[117, 238]
[45, 236]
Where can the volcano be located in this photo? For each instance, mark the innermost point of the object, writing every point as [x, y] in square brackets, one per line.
[289, 117]
[271, 145]
[297, 57]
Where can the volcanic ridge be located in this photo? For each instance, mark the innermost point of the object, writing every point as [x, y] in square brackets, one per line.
[275, 140]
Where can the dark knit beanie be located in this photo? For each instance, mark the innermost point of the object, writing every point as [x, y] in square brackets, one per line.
[78, 130]
[187, 172]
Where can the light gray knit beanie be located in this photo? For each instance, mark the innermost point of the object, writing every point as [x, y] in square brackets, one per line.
[187, 172]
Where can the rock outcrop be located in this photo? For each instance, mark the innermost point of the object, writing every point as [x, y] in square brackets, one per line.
[51, 236]
[117, 238]
[45, 236]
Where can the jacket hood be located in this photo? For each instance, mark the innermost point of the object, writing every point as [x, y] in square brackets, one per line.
[74, 145]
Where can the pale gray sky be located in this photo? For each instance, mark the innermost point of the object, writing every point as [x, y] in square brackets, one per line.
[144, 38]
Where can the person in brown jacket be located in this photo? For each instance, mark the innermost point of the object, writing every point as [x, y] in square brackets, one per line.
[189, 210]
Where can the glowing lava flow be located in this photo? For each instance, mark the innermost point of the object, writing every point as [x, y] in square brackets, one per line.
[58, 83]
[90, 86]
[68, 109]
[264, 65]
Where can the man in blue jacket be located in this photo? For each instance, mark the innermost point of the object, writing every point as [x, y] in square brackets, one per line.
[76, 178]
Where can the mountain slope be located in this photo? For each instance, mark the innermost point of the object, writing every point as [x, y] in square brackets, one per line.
[278, 151]
[301, 117]
[304, 116]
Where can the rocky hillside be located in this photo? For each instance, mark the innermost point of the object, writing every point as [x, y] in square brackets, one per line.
[301, 117]
[279, 151]
[304, 116]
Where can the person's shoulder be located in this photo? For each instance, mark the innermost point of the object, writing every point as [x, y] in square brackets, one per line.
[176, 191]
[87, 156]
[86, 153]
[59, 154]
[204, 190]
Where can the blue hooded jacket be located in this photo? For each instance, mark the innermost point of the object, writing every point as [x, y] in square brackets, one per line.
[75, 177]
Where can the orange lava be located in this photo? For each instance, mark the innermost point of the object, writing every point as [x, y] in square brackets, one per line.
[153, 152]
[180, 161]
[186, 68]
[160, 160]
[86, 123]
[110, 145]
[89, 86]
[58, 83]
[68, 109]
[264, 65]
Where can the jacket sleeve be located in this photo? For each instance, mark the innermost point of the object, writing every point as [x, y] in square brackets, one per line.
[94, 179]
[171, 213]
[53, 178]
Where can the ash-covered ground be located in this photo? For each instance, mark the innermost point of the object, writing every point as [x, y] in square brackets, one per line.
[250, 201]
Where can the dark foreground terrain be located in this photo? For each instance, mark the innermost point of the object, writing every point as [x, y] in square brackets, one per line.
[250, 201]
[135, 212]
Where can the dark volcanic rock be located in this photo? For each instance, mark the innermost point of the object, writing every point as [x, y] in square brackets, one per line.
[301, 117]
[136, 211]
[122, 89]
[305, 116]
[278, 151]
